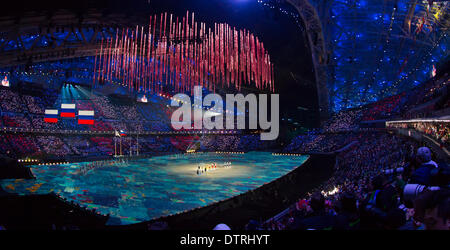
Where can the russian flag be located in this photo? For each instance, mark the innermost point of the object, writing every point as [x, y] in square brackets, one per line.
[86, 117]
[123, 133]
[68, 110]
[51, 116]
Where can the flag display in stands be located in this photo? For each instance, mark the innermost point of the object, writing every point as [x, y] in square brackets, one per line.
[68, 110]
[51, 116]
[86, 117]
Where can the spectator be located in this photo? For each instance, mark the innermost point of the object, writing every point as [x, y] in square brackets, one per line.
[222, 227]
[422, 174]
[318, 219]
[433, 210]
[348, 216]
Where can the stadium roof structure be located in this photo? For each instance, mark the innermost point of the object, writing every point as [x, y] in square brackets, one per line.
[376, 49]
[363, 50]
[381, 48]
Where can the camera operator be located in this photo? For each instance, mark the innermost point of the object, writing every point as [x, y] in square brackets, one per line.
[422, 175]
[381, 208]
[439, 178]
[432, 208]
[427, 178]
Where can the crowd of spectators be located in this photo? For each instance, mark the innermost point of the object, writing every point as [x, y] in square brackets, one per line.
[383, 109]
[82, 146]
[21, 145]
[34, 104]
[18, 110]
[438, 130]
[367, 190]
[53, 145]
[16, 121]
[104, 108]
[426, 96]
[318, 142]
[65, 146]
[422, 101]
[344, 121]
[237, 143]
[10, 101]
[362, 194]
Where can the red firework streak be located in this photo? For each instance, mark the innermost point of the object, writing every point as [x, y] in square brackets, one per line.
[100, 61]
[134, 64]
[115, 55]
[105, 55]
[164, 47]
[130, 51]
[108, 58]
[148, 55]
[141, 57]
[95, 69]
[108, 68]
[106, 63]
[184, 54]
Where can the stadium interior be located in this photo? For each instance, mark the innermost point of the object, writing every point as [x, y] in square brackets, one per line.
[89, 90]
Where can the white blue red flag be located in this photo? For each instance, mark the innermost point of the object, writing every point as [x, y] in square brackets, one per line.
[68, 110]
[86, 117]
[51, 116]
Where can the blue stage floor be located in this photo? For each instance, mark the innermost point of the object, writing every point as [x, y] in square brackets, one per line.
[144, 189]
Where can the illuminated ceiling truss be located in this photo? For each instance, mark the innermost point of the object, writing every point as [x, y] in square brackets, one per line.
[362, 50]
[315, 37]
[36, 37]
[381, 48]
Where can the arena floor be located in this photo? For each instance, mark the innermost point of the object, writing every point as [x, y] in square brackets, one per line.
[144, 189]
